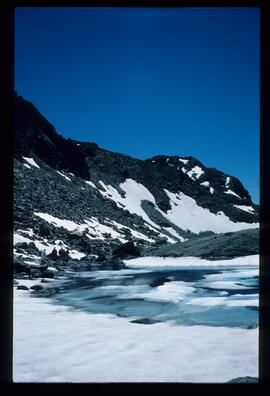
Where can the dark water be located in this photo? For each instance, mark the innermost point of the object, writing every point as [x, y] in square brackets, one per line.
[214, 297]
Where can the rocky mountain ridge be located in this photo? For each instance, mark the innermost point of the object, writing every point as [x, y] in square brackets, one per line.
[93, 200]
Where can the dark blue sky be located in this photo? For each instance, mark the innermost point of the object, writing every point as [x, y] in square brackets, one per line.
[148, 81]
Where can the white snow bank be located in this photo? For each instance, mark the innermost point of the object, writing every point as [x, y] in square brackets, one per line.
[54, 343]
[31, 161]
[62, 174]
[205, 184]
[45, 245]
[248, 209]
[28, 231]
[134, 233]
[195, 172]
[188, 215]
[183, 160]
[96, 229]
[27, 166]
[90, 183]
[169, 239]
[99, 230]
[67, 224]
[52, 269]
[232, 193]
[190, 262]
[173, 232]
[135, 193]
[17, 238]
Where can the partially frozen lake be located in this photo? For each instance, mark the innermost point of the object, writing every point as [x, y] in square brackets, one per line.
[154, 324]
[214, 297]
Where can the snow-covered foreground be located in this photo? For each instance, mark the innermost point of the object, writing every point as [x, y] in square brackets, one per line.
[55, 343]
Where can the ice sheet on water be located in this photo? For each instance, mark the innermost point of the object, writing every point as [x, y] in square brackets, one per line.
[226, 285]
[169, 291]
[226, 301]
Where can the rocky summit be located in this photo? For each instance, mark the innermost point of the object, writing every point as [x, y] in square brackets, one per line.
[103, 205]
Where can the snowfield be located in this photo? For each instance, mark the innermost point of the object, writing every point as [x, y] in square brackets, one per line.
[184, 212]
[152, 261]
[55, 343]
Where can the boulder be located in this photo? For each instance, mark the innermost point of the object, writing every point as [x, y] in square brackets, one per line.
[127, 249]
[44, 230]
[22, 287]
[36, 287]
[145, 321]
[243, 380]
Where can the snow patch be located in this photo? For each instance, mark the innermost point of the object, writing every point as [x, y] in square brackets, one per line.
[90, 183]
[174, 233]
[195, 173]
[232, 193]
[169, 239]
[17, 238]
[134, 233]
[248, 209]
[31, 161]
[67, 224]
[27, 166]
[45, 245]
[135, 193]
[183, 160]
[187, 215]
[205, 184]
[101, 229]
[62, 174]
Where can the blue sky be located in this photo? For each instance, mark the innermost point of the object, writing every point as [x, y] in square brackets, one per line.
[145, 81]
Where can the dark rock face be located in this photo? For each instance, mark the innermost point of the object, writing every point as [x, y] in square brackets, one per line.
[228, 245]
[127, 249]
[67, 195]
[35, 137]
